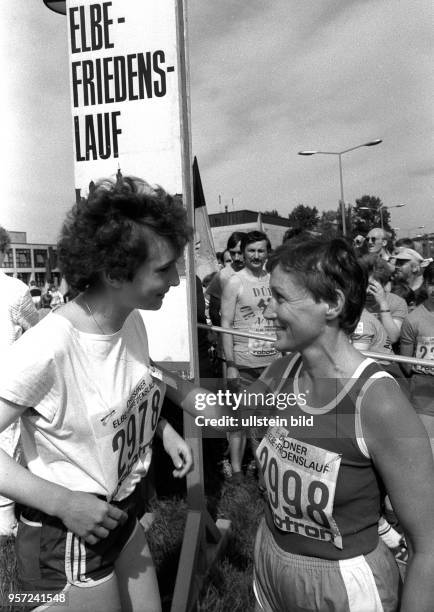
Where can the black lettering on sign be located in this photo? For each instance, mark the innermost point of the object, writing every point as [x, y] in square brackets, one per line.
[159, 87]
[89, 27]
[99, 135]
[115, 79]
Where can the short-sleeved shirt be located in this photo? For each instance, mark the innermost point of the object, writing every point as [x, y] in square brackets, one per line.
[17, 310]
[398, 310]
[371, 332]
[418, 331]
[93, 405]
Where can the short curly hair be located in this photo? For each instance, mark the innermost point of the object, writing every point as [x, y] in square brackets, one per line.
[324, 267]
[5, 240]
[107, 231]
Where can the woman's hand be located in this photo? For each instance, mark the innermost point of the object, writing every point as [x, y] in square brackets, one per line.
[178, 449]
[90, 517]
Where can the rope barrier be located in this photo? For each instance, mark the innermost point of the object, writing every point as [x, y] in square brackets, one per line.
[381, 356]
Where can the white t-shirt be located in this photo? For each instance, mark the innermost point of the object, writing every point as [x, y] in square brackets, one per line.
[94, 405]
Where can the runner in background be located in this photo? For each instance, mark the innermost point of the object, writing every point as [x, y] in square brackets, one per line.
[245, 298]
[349, 438]
[82, 383]
[417, 340]
[215, 288]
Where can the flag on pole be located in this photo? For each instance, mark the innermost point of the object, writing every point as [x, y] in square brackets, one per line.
[206, 260]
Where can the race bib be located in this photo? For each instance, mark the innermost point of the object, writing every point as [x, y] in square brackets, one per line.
[301, 484]
[262, 348]
[124, 436]
[424, 350]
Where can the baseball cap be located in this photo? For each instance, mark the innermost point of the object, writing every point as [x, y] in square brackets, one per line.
[408, 254]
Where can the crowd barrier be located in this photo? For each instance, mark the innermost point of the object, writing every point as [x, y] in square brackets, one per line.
[426, 363]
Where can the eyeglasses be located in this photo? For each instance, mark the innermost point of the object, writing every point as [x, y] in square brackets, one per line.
[372, 239]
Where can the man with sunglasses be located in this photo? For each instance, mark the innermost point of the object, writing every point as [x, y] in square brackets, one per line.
[408, 276]
[376, 241]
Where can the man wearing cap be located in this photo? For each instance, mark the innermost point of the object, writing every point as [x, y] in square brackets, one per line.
[376, 241]
[408, 274]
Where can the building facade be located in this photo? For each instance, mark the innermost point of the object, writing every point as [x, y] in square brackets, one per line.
[223, 224]
[37, 262]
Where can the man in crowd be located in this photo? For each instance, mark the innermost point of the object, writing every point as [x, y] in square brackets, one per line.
[244, 301]
[408, 277]
[215, 288]
[17, 314]
[376, 241]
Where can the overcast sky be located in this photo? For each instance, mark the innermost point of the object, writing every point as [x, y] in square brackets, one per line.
[268, 78]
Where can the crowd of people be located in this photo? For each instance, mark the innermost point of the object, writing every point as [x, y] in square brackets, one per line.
[88, 397]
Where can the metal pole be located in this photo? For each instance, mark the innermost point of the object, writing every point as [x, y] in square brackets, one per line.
[382, 356]
[342, 202]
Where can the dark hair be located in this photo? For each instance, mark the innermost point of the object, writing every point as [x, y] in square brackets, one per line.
[107, 230]
[234, 239]
[5, 240]
[254, 236]
[428, 273]
[324, 267]
[45, 300]
[296, 233]
[377, 267]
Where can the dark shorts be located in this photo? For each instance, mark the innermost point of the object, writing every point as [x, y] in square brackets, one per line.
[49, 556]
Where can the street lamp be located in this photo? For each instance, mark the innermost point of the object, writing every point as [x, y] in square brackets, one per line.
[381, 212]
[58, 6]
[371, 143]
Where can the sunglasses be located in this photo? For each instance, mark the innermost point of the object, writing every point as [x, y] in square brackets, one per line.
[372, 239]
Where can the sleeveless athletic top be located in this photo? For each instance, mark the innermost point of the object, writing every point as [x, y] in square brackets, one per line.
[324, 495]
[252, 300]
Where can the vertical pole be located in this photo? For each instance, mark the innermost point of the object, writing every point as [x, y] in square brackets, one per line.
[342, 202]
[381, 217]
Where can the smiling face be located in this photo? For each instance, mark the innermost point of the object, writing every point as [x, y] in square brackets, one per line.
[404, 269]
[154, 277]
[375, 240]
[298, 318]
[255, 255]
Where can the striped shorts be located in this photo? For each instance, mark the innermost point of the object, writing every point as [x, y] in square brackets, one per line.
[49, 556]
[284, 582]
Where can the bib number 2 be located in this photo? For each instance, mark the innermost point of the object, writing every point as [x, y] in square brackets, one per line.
[130, 440]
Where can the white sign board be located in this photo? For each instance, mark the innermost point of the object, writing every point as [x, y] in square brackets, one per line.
[126, 109]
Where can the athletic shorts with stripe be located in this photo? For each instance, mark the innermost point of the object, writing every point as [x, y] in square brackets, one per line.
[49, 556]
[284, 582]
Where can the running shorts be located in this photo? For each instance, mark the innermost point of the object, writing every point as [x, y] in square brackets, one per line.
[284, 582]
[49, 556]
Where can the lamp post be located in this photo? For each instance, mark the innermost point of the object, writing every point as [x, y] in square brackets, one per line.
[381, 212]
[58, 6]
[371, 143]
[380, 208]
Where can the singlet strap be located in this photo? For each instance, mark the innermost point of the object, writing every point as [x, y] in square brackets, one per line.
[361, 442]
[292, 365]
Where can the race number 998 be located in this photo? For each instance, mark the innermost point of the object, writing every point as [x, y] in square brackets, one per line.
[300, 499]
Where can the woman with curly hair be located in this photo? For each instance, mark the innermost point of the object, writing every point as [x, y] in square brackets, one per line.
[82, 383]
